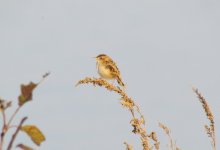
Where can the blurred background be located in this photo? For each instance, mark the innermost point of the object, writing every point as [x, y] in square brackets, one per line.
[162, 48]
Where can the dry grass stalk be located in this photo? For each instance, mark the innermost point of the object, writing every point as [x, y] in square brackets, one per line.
[210, 130]
[172, 144]
[153, 136]
[128, 146]
[138, 123]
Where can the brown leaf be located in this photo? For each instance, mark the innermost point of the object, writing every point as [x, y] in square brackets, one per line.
[24, 147]
[26, 93]
[34, 133]
[4, 104]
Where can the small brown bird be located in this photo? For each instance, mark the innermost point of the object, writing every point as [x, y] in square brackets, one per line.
[108, 69]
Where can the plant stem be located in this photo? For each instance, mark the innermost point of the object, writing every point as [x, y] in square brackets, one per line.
[3, 129]
[16, 133]
[12, 117]
[6, 126]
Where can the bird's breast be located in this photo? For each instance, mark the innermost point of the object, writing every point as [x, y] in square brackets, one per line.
[105, 72]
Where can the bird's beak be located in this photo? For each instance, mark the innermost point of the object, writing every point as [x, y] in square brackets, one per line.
[95, 58]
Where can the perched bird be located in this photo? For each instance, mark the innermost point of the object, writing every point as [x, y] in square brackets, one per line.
[108, 69]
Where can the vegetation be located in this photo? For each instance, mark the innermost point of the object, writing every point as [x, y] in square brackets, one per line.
[138, 121]
[31, 130]
[148, 139]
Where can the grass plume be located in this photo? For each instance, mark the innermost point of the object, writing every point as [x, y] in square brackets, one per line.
[210, 129]
[137, 121]
[172, 144]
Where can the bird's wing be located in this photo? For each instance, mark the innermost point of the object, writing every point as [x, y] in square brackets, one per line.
[113, 68]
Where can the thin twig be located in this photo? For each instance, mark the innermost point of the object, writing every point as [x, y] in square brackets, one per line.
[172, 144]
[3, 129]
[16, 133]
[12, 117]
[7, 125]
[14, 126]
[44, 77]
[4, 117]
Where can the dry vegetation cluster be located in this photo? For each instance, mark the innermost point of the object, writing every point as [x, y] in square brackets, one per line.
[148, 140]
[31, 130]
[138, 121]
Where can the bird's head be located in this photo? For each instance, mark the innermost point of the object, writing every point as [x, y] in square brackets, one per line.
[102, 57]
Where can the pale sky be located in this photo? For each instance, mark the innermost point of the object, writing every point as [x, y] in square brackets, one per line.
[162, 48]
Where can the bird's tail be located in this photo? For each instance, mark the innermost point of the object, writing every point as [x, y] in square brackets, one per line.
[119, 80]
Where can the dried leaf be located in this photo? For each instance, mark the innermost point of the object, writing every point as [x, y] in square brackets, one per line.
[34, 133]
[46, 74]
[24, 147]
[4, 104]
[26, 93]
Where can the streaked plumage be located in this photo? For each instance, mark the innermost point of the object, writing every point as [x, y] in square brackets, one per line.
[108, 69]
